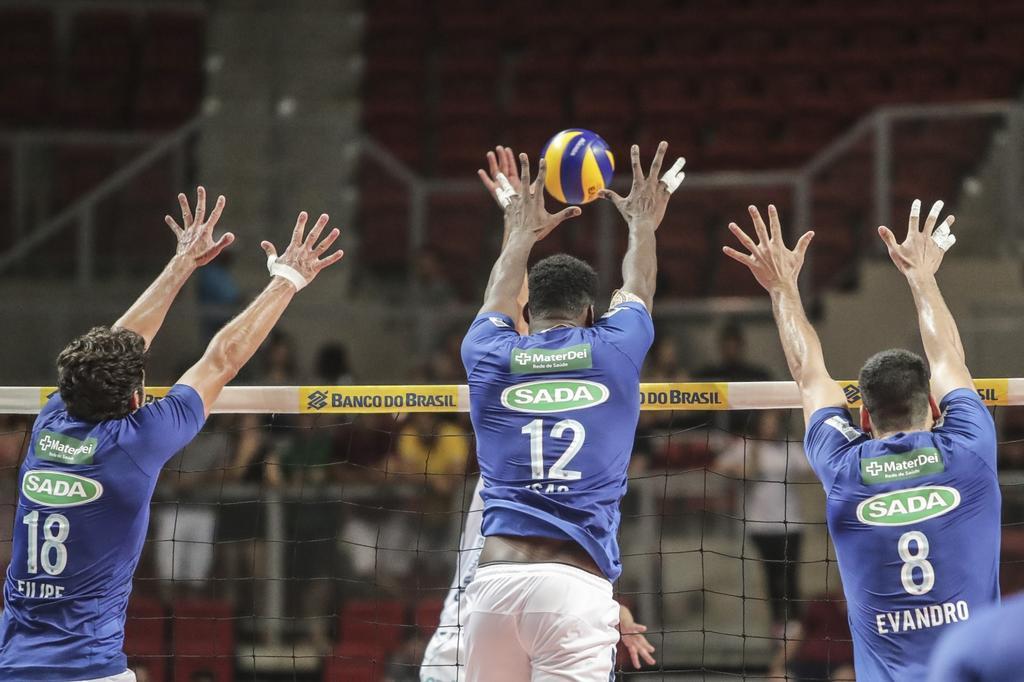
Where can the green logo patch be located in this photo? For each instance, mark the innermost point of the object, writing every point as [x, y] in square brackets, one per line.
[890, 468]
[554, 396]
[904, 507]
[58, 489]
[540, 360]
[56, 447]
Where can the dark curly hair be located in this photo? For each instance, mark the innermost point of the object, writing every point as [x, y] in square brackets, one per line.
[561, 286]
[98, 373]
[894, 387]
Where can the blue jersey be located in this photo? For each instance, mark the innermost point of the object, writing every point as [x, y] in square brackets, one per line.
[555, 416]
[83, 511]
[987, 649]
[915, 522]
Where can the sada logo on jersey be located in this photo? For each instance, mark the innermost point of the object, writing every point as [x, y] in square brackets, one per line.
[904, 507]
[58, 489]
[554, 396]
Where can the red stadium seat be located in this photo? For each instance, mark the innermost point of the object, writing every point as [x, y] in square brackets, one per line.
[369, 629]
[145, 636]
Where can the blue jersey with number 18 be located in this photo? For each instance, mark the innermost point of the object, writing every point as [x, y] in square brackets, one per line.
[83, 511]
[915, 522]
[555, 416]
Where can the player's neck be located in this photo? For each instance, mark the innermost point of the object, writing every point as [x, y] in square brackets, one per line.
[547, 323]
[911, 429]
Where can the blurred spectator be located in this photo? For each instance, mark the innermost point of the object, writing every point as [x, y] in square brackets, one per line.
[818, 647]
[218, 295]
[663, 363]
[432, 285]
[332, 368]
[434, 447]
[772, 514]
[732, 365]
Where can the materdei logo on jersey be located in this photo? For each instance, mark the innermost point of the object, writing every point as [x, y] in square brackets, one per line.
[58, 489]
[904, 507]
[554, 396]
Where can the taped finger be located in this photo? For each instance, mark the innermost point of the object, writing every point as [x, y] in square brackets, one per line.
[674, 175]
[505, 191]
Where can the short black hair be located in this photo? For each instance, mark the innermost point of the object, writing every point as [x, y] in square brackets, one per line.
[100, 371]
[894, 386]
[561, 286]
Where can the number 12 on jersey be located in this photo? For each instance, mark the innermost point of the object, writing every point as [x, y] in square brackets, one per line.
[558, 470]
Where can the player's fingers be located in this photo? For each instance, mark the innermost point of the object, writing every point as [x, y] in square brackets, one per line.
[759, 226]
[610, 195]
[744, 258]
[915, 217]
[173, 224]
[225, 240]
[268, 248]
[492, 163]
[186, 212]
[744, 238]
[200, 204]
[318, 227]
[508, 167]
[330, 260]
[648, 659]
[322, 247]
[567, 213]
[774, 227]
[634, 657]
[634, 158]
[659, 156]
[218, 208]
[542, 174]
[933, 215]
[888, 238]
[300, 226]
[524, 170]
[803, 244]
[486, 179]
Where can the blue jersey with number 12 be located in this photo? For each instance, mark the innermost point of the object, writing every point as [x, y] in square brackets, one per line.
[915, 522]
[555, 416]
[83, 511]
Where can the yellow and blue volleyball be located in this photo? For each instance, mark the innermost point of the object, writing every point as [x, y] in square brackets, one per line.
[579, 166]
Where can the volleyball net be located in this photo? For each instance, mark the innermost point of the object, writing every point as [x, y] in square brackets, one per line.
[312, 532]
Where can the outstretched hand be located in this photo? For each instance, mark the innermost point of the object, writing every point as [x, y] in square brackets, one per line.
[501, 161]
[922, 251]
[771, 262]
[634, 640]
[195, 239]
[525, 213]
[303, 254]
[648, 197]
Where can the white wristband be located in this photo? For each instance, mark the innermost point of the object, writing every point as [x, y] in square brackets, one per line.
[505, 191]
[287, 272]
[674, 175]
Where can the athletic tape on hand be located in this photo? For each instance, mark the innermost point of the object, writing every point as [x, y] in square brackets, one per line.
[674, 175]
[286, 271]
[505, 191]
[942, 237]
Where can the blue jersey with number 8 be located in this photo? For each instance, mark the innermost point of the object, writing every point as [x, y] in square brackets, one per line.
[915, 522]
[83, 512]
[555, 416]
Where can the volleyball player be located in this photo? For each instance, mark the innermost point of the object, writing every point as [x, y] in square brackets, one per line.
[444, 657]
[986, 649]
[912, 495]
[554, 414]
[97, 450]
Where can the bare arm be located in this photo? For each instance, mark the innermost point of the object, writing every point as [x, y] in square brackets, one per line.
[236, 343]
[643, 211]
[527, 223]
[777, 269]
[195, 249]
[918, 258]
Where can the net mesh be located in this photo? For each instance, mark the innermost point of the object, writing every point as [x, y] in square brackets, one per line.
[321, 546]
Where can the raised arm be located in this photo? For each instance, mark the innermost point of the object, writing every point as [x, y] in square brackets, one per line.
[644, 210]
[919, 258]
[195, 249]
[527, 222]
[233, 345]
[777, 269]
[502, 161]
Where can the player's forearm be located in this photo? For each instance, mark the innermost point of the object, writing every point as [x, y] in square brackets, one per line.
[237, 342]
[506, 280]
[800, 342]
[146, 315]
[939, 335]
[640, 265]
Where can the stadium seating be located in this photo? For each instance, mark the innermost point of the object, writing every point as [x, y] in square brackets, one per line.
[204, 639]
[731, 85]
[145, 637]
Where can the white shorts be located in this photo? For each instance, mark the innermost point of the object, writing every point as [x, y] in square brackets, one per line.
[540, 623]
[126, 676]
[444, 658]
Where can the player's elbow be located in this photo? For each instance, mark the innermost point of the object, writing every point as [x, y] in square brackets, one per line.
[221, 361]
